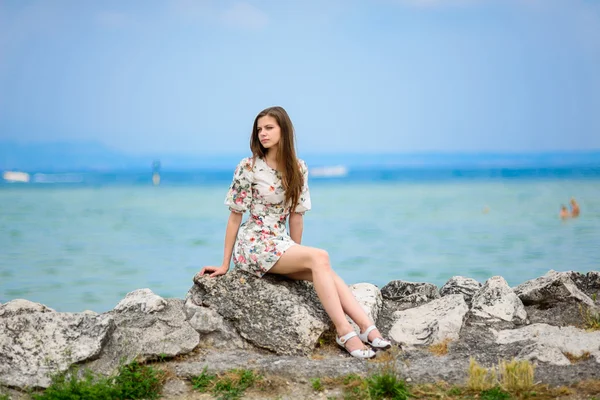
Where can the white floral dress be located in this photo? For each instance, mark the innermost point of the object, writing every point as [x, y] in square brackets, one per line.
[263, 238]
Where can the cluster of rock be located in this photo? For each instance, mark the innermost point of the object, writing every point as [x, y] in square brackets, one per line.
[276, 323]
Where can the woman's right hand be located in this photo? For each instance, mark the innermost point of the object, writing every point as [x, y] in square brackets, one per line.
[214, 271]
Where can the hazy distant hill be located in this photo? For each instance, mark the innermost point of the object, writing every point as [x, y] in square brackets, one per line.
[78, 156]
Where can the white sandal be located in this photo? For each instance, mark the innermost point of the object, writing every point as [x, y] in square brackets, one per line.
[358, 353]
[377, 343]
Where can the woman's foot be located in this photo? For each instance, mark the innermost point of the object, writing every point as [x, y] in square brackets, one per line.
[372, 336]
[353, 345]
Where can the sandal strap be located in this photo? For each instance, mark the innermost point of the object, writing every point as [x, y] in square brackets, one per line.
[364, 336]
[346, 337]
[369, 330]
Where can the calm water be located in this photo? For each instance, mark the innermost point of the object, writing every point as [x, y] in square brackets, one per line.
[85, 248]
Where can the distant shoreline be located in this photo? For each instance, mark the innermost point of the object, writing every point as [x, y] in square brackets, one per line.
[389, 174]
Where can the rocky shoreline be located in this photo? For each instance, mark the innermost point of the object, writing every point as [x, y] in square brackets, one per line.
[278, 328]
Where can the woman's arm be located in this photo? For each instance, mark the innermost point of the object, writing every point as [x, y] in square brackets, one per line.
[296, 227]
[233, 225]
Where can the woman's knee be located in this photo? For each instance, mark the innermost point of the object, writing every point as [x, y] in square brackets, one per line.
[320, 260]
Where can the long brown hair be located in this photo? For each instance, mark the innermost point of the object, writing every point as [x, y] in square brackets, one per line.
[291, 176]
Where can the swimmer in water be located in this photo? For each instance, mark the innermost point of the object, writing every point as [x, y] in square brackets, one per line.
[574, 208]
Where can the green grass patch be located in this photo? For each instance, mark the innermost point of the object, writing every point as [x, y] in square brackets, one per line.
[317, 385]
[229, 386]
[204, 381]
[384, 382]
[136, 381]
[387, 386]
[495, 393]
[380, 385]
[133, 381]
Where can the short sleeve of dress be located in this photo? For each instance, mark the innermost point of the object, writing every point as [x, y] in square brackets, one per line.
[304, 200]
[239, 195]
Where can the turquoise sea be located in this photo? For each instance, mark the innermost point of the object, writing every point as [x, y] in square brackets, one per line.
[85, 246]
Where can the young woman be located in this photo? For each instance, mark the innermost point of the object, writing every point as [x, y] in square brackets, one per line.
[273, 185]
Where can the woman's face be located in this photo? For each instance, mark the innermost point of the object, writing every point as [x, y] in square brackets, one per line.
[269, 132]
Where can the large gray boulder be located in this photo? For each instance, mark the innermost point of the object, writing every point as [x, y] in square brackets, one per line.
[551, 344]
[415, 293]
[592, 284]
[468, 287]
[36, 343]
[215, 331]
[21, 307]
[430, 323]
[142, 301]
[271, 312]
[552, 288]
[146, 327]
[497, 302]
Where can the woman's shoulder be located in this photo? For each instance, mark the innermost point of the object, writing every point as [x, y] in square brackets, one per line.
[302, 164]
[246, 163]
[246, 160]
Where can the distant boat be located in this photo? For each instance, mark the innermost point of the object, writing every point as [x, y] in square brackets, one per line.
[329, 172]
[15, 176]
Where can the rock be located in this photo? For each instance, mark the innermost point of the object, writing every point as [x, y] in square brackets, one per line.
[554, 287]
[410, 292]
[143, 300]
[543, 353]
[386, 319]
[578, 278]
[430, 323]
[588, 283]
[37, 344]
[468, 287]
[592, 284]
[479, 341]
[548, 339]
[496, 301]
[174, 388]
[146, 335]
[271, 312]
[558, 314]
[272, 324]
[214, 330]
[21, 307]
[369, 298]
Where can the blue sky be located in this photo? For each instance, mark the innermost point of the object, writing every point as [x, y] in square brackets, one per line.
[183, 76]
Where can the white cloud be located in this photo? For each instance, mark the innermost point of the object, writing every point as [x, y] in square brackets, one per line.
[245, 16]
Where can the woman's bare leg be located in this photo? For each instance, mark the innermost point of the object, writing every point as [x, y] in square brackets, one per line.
[349, 303]
[302, 259]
